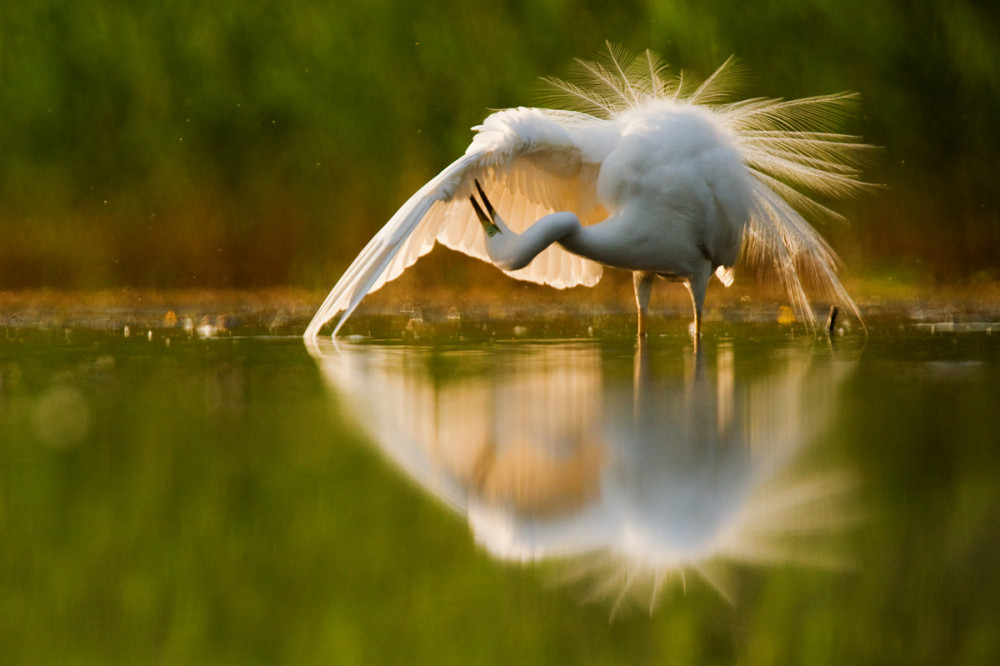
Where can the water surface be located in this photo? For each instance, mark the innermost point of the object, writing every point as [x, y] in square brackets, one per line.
[500, 497]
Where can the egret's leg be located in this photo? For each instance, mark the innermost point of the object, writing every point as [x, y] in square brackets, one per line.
[643, 283]
[696, 287]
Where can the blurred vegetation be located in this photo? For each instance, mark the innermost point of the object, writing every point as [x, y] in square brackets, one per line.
[182, 143]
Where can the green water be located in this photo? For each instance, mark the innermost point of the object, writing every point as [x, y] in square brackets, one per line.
[498, 499]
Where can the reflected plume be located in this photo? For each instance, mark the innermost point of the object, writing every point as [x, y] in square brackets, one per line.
[687, 465]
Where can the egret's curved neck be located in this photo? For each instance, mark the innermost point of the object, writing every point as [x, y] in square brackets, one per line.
[512, 251]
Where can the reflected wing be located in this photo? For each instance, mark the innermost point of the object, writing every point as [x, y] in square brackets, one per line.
[521, 436]
[531, 162]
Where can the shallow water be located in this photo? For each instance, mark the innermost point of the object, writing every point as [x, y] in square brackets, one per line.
[501, 496]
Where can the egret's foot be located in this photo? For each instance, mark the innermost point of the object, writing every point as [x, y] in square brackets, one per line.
[488, 221]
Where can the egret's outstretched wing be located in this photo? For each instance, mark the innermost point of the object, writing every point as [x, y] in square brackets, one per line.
[531, 162]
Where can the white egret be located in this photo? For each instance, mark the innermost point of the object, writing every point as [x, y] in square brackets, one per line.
[641, 171]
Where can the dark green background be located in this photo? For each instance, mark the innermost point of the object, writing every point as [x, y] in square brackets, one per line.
[208, 144]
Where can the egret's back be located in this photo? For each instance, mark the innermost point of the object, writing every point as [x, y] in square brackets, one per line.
[676, 171]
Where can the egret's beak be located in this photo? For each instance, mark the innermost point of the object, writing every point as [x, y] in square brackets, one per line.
[488, 221]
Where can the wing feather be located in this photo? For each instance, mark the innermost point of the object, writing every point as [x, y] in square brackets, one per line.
[528, 163]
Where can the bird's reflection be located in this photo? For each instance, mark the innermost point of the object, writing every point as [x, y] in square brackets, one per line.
[552, 451]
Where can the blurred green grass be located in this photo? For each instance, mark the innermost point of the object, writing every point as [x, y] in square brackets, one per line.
[191, 144]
